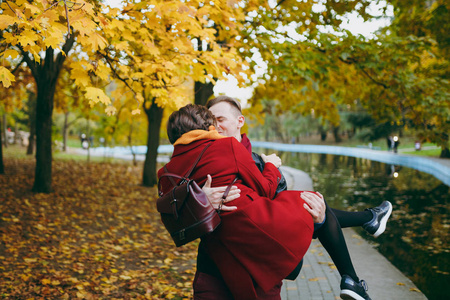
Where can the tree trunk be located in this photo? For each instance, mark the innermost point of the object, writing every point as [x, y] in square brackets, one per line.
[202, 92]
[154, 115]
[46, 75]
[323, 133]
[5, 142]
[2, 167]
[31, 139]
[445, 153]
[44, 110]
[88, 136]
[130, 144]
[337, 137]
[32, 124]
[65, 131]
[16, 133]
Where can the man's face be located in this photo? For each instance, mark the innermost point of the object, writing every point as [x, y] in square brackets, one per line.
[229, 120]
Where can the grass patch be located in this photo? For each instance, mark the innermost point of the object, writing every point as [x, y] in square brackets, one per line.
[430, 152]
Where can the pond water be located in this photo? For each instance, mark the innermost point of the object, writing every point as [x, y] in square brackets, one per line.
[417, 237]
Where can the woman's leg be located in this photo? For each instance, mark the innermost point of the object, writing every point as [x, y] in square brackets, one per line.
[373, 220]
[352, 219]
[332, 238]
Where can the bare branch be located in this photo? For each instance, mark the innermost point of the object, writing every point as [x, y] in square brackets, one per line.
[350, 61]
[373, 79]
[12, 9]
[65, 50]
[30, 62]
[124, 80]
[18, 65]
[280, 2]
[67, 17]
[51, 6]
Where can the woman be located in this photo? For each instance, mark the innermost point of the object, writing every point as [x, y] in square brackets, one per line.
[281, 229]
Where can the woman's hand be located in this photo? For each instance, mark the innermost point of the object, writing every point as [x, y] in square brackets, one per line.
[272, 158]
[215, 195]
[315, 205]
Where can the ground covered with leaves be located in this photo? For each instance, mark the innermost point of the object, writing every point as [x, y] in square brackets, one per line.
[97, 236]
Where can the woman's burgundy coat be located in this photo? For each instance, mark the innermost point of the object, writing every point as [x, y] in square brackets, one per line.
[262, 241]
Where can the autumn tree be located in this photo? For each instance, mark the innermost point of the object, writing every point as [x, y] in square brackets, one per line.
[43, 34]
[428, 20]
[389, 75]
[157, 53]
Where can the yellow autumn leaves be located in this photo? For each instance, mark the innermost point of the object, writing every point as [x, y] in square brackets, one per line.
[6, 77]
[151, 47]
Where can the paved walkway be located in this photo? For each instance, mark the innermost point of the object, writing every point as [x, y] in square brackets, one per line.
[319, 278]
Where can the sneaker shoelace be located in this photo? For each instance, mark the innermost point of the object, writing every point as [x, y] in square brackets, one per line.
[364, 285]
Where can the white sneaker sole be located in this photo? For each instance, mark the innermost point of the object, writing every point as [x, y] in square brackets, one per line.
[350, 295]
[383, 222]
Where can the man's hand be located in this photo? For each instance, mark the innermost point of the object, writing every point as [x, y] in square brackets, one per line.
[272, 158]
[315, 205]
[215, 194]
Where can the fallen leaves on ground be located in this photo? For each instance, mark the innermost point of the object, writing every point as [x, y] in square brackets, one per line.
[97, 236]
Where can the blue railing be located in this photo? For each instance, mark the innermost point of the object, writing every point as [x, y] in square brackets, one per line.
[435, 167]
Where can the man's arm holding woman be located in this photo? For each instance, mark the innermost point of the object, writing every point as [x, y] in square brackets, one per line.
[315, 204]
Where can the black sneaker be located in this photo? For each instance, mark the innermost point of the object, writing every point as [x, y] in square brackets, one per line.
[352, 290]
[381, 214]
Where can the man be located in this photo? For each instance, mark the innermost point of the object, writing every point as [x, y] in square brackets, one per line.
[208, 283]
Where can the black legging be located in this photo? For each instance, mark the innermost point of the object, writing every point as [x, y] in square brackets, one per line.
[350, 218]
[332, 238]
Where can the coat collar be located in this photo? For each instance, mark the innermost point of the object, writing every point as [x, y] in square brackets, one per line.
[246, 142]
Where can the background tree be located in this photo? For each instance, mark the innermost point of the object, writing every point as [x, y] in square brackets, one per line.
[427, 19]
[157, 54]
[31, 112]
[43, 34]
[70, 102]
[390, 75]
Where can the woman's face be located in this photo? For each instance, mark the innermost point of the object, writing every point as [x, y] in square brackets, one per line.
[229, 120]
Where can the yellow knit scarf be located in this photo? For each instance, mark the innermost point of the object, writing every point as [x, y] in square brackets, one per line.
[195, 135]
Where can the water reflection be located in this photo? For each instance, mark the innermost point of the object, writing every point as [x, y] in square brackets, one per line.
[416, 240]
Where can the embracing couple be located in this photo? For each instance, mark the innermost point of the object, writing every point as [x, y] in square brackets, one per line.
[265, 229]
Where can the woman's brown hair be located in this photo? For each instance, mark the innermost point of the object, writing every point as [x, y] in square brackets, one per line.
[188, 118]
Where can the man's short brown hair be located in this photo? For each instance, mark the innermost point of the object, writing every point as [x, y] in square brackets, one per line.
[188, 118]
[233, 102]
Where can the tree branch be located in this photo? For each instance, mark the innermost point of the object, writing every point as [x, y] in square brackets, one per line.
[280, 2]
[67, 17]
[116, 74]
[12, 10]
[30, 62]
[65, 50]
[18, 65]
[350, 61]
[373, 79]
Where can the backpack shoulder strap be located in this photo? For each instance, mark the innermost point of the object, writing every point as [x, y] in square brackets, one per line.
[170, 177]
[185, 177]
[196, 161]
